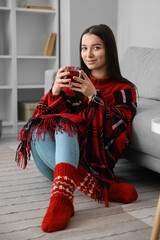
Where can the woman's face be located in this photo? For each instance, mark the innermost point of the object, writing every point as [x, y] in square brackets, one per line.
[93, 54]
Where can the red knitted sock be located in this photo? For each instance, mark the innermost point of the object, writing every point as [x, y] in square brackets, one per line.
[61, 207]
[117, 192]
[122, 192]
[85, 182]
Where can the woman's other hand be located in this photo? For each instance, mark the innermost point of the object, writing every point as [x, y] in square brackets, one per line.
[84, 86]
[61, 81]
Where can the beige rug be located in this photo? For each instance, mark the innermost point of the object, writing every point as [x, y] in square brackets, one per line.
[24, 197]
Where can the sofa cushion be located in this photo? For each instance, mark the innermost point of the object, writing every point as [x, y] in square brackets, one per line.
[142, 67]
[143, 138]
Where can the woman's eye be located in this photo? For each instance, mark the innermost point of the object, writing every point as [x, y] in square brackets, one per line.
[83, 48]
[96, 47]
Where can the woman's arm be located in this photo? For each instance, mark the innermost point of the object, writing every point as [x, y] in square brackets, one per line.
[54, 100]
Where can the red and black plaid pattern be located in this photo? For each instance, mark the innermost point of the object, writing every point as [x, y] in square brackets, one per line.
[103, 125]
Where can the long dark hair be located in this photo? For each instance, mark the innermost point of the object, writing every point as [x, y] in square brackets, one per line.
[107, 36]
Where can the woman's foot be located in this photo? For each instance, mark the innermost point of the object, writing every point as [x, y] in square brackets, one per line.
[114, 192]
[61, 207]
[122, 192]
[58, 214]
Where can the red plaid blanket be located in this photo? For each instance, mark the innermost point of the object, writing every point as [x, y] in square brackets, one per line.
[103, 125]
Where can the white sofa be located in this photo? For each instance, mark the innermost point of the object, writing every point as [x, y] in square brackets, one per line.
[142, 67]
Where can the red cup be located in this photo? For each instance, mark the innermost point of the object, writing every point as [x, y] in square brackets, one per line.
[74, 71]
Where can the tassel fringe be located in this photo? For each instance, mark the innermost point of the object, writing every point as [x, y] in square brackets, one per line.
[100, 192]
[40, 125]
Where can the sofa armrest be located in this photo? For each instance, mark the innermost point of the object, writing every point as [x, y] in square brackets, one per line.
[49, 79]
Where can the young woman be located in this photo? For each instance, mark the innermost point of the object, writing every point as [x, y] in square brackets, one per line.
[80, 129]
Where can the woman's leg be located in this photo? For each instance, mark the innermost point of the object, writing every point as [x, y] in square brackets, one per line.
[66, 152]
[48, 153]
[43, 152]
[66, 149]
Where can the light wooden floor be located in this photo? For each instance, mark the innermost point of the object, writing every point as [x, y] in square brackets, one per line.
[24, 197]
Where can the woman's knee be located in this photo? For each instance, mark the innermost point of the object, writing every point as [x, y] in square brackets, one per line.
[41, 166]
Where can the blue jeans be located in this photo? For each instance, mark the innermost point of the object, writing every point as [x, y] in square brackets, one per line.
[48, 153]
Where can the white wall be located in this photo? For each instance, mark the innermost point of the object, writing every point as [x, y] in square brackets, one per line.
[75, 17]
[138, 24]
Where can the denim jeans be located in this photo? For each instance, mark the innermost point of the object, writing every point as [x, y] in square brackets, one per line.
[47, 153]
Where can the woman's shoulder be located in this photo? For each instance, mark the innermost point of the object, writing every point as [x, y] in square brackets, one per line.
[115, 91]
[113, 86]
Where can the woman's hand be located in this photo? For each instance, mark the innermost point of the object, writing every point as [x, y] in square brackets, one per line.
[60, 81]
[84, 86]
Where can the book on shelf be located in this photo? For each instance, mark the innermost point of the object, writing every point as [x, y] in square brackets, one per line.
[46, 44]
[40, 7]
[49, 44]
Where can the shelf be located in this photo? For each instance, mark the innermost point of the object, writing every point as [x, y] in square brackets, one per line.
[30, 71]
[23, 33]
[39, 11]
[4, 9]
[30, 86]
[30, 94]
[5, 87]
[5, 56]
[5, 32]
[30, 43]
[6, 72]
[6, 107]
[7, 124]
[36, 57]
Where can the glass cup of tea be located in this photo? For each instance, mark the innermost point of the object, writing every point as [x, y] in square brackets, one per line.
[74, 71]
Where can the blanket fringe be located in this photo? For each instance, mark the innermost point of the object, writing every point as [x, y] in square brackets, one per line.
[100, 192]
[40, 125]
[101, 188]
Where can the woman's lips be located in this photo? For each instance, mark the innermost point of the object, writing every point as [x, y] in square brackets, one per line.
[91, 61]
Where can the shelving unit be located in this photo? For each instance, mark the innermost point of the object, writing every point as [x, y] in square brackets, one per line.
[22, 36]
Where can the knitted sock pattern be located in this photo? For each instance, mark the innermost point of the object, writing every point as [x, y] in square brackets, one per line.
[85, 182]
[64, 186]
[60, 207]
[116, 192]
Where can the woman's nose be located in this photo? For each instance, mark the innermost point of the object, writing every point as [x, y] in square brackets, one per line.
[89, 53]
